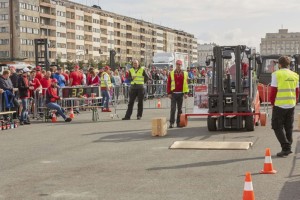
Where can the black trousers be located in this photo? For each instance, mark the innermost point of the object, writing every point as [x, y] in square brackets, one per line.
[133, 93]
[176, 100]
[282, 124]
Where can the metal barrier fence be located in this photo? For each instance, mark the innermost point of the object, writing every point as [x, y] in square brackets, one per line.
[155, 95]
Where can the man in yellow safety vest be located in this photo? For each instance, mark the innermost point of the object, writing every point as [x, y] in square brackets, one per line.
[177, 88]
[138, 77]
[283, 96]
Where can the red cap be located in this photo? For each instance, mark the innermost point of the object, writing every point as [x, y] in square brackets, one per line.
[106, 68]
[38, 68]
[76, 67]
[53, 80]
[178, 62]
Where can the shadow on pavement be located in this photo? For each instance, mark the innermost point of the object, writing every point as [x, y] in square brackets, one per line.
[204, 164]
[291, 188]
[199, 133]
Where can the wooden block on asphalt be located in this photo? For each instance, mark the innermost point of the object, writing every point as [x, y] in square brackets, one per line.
[211, 145]
[159, 126]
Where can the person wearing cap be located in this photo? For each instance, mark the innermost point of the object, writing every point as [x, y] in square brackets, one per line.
[177, 88]
[24, 92]
[137, 76]
[76, 77]
[105, 88]
[38, 74]
[52, 97]
[284, 96]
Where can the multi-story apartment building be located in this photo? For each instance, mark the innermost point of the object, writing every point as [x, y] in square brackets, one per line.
[204, 50]
[283, 42]
[78, 32]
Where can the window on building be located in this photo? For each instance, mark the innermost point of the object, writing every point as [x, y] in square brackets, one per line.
[3, 4]
[4, 54]
[36, 31]
[3, 29]
[4, 41]
[4, 17]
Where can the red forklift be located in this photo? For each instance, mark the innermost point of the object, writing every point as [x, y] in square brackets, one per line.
[233, 99]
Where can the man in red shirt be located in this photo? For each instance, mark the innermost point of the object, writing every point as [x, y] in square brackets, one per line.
[52, 97]
[66, 77]
[39, 74]
[177, 88]
[76, 77]
[46, 81]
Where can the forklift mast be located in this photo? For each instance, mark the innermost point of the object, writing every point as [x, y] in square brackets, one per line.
[42, 53]
[232, 91]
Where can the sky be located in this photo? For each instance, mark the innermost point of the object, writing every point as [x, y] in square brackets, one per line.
[224, 22]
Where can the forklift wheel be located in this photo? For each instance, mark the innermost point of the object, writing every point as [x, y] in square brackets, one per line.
[249, 123]
[183, 120]
[211, 123]
[263, 118]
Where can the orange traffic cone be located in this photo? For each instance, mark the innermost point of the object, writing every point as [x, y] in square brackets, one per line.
[71, 113]
[54, 118]
[268, 166]
[248, 188]
[158, 104]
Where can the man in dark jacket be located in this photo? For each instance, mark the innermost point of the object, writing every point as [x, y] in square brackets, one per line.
[13, 76]
[23, 85]
[10, 101]
[5, 82]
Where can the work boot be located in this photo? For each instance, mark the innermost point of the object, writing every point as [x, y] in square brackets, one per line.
[284, 153]
[178, 126]
[68, 119]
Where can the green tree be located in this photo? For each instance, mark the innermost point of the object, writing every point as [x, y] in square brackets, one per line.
[70, 65]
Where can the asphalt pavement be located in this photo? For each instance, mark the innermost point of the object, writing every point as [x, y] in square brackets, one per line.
[120, 160]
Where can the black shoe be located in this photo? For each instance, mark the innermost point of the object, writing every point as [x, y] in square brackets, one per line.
[171, 126]
[68, 119]
[27, 123]
[284, 153]
[138, 118]
[178, 126]
[125, 118]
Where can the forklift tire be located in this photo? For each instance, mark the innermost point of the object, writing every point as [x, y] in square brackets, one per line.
[263, 119]
[183, 120]
[211, 123]
[249, 123]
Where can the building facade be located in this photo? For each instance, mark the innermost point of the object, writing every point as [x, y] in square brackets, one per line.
[81, 33]
[283, 42]
[204, 50]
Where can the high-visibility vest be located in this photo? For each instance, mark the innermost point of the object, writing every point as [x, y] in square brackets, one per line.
[103, 82]
[287, 82]
[139, 78]
[185, 87]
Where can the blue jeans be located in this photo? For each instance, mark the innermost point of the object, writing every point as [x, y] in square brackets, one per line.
[55, 106]
[105, 100]
[24, 112]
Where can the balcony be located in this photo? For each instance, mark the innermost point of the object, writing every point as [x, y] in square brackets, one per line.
[48, 15]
